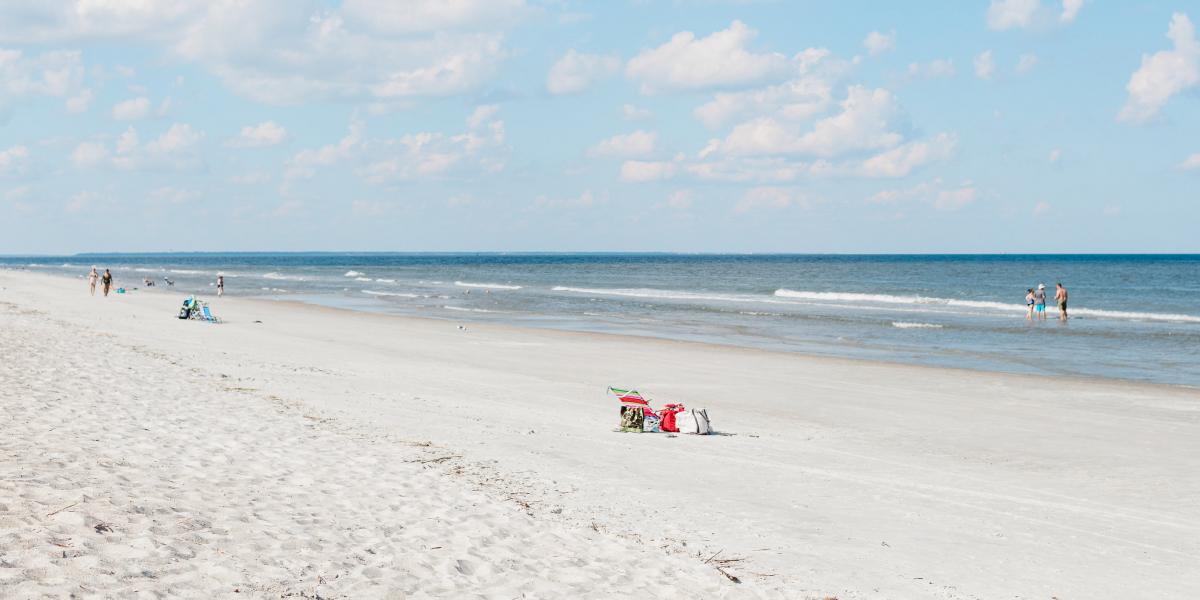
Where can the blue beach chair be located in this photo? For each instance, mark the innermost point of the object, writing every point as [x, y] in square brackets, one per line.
[208, 316]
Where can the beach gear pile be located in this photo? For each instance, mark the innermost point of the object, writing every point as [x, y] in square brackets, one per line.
[637, 416]
[197, 310]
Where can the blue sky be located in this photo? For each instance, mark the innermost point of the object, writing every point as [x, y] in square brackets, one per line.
[514, 125]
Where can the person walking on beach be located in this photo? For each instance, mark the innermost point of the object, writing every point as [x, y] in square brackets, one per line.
[220, 285]
[1060, 296]
[1039, 301]
[1029, 304]
[106, 282]
[92, 278]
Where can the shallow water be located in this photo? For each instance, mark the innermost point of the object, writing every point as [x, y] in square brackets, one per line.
[1133, 316]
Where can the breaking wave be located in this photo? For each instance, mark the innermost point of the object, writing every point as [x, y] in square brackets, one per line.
[911, 325]
[397, 294]
[490, 286]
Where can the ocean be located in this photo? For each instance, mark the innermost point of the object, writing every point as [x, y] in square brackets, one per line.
[1134, 317]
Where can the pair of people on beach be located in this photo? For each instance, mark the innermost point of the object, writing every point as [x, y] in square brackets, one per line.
[105, 280]
[1035, 300]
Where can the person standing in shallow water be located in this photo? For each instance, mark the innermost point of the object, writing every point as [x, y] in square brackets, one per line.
[1060, 296]
[220, 285]
[1029, 304]
[92, 278]
[106, 282]
[1039, 301]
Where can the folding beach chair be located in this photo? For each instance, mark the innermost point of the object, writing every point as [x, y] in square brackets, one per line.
[635, 410]
[208, 316]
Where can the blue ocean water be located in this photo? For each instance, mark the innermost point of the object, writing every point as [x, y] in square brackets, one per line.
[1133, 316]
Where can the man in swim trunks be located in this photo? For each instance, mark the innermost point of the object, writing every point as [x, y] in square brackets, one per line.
[1039, 301]
[1060, 296]
[106, 281]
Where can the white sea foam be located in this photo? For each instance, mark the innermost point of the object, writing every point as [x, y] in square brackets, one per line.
[353, 274]
[911, 325]
[362, 279]
[397, 294]
[650, 293]
[283, 277]
[462, 309]
[490, 286]
[188, 272]
[845, 297]
[386, 280]
[857, 301]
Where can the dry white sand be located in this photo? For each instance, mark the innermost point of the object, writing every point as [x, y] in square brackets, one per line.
[322, 452]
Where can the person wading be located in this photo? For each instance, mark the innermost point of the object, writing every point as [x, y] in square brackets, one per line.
[1060, 296]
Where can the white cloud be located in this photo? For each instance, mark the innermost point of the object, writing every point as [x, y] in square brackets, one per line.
[175, 148]
[267, 133]
[427, 155]
[133, 109]
[901, 161]
[1165, 73]
[754, 169]
[80, 102]
[173, 195]
[1026, 63]
[375, 208]
[941, 67]
[1191, 163]
[1027, 14]
[680, 199]
[1006, 14]
[251, 178]
[584, 200]
[178, 138]
[772, 198]
[985, 65]
[863, 124]
[933, 193]
[635, 113]
[82, 201]
[57, 73]
[423, 16]
[877, 43]
[286, 51]
[719, 60]
[88, 154]
[13, 160]
[304, 164]
[639, 171]
[1070, 10]
[627, 145]
[805, 96]
[954, 199]
[575, 72]
[482, 114]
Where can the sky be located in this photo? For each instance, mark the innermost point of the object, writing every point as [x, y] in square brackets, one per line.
[1021, 126]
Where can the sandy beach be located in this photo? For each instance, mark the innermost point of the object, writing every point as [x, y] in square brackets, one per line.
[300, 451]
